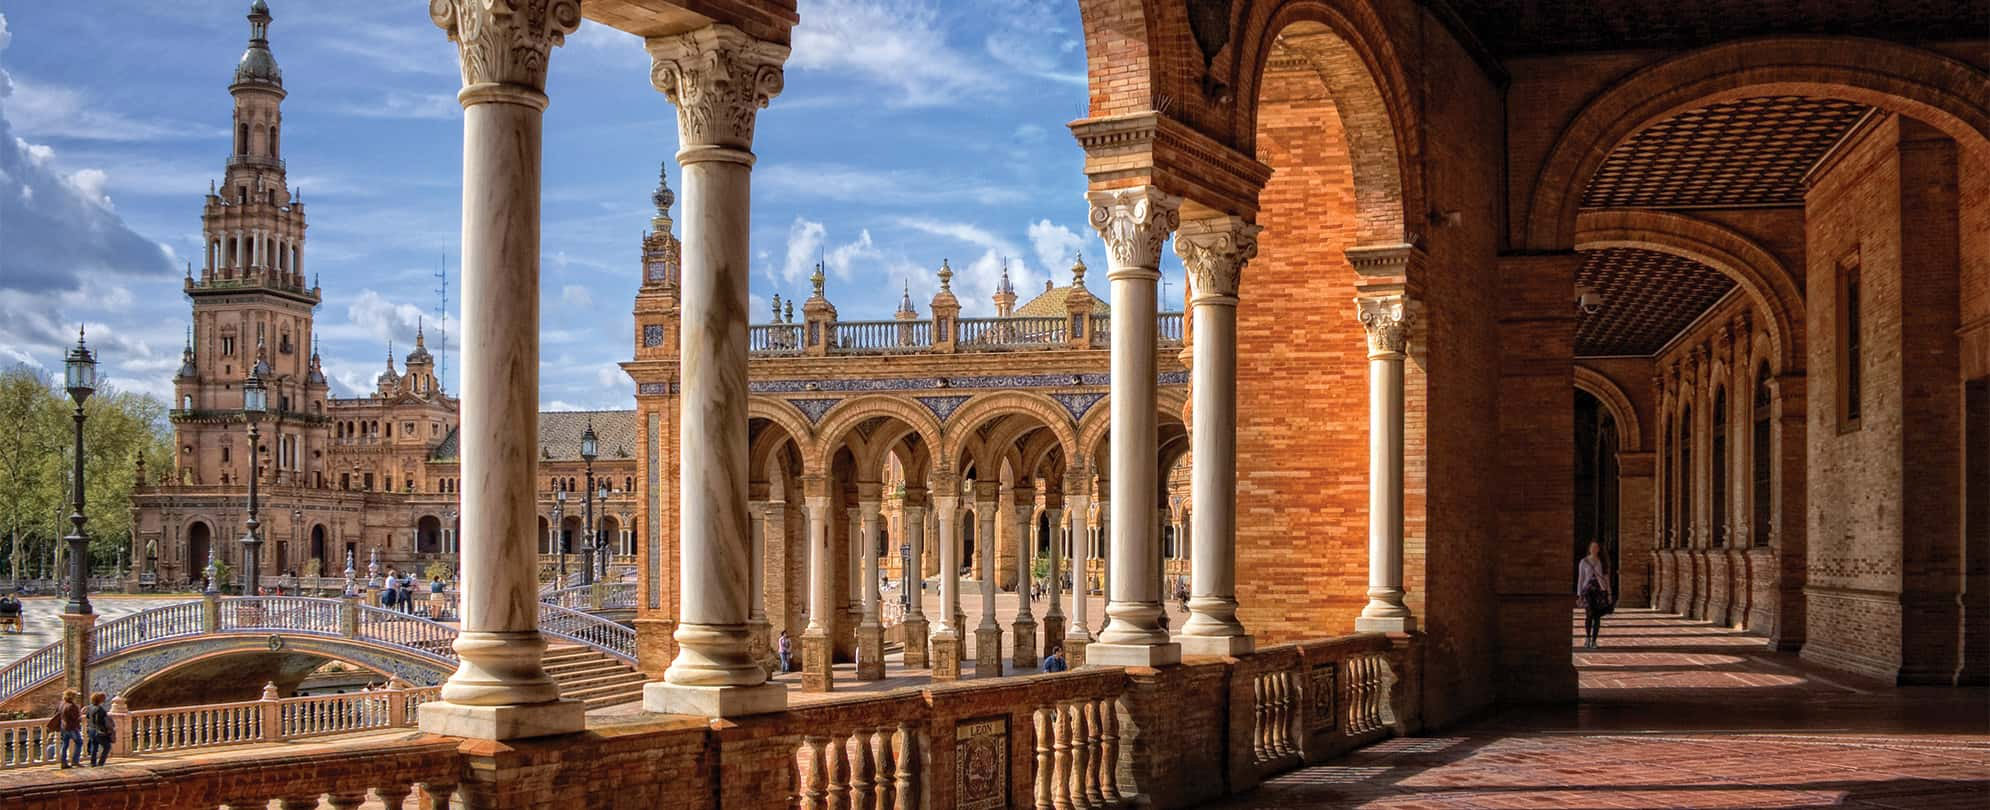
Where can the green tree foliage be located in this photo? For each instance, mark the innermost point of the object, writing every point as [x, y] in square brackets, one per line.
[37, 437]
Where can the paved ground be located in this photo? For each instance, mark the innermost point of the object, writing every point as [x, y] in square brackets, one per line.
[1680, 714]
[43, 619]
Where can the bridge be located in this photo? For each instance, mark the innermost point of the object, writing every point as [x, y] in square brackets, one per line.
[251, 639]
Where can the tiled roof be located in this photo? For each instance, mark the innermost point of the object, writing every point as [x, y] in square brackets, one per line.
[559, 435]
[1050, 304]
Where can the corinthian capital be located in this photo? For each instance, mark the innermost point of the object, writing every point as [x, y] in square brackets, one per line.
[1134, 222]
[718, 77]
[506, 41]
[1215, 251]
[1387, 319]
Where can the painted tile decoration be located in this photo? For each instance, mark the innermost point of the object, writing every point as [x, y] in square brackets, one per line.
[1077, 404]
[943, 407]
[814, 408]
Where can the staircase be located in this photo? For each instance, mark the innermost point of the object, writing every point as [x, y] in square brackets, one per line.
[592, 676]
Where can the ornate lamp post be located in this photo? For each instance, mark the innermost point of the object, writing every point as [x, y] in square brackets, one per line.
[588, 449]
[255, 403]
[560, 535]
[603, 546]
[80, 377]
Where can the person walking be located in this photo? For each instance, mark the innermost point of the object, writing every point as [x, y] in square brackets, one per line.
[1054, 662]
[438, 598]
[102, 729]
[68, 725]
[785, 647]
[1592, 590]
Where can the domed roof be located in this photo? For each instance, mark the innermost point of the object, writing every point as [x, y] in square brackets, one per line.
[258, 65]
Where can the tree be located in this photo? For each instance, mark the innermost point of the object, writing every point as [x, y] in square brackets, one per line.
[31, 442]
[36, 447]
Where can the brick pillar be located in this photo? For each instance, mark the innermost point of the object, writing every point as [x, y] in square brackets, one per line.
[1536, 532]
[76, 651]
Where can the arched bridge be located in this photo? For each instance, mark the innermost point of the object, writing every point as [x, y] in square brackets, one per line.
[596, 656]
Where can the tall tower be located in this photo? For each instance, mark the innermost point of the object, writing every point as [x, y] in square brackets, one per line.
[250, 293]
[1005, 294]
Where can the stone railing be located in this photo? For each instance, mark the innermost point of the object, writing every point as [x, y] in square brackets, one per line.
[342, 775]
[25, 743]
[882, 337]
[774, 338]
[1307, 702]
[969, 334]
[1009, 333]
[144, 627]
[31, 670]
[587, 628]
[596, 597]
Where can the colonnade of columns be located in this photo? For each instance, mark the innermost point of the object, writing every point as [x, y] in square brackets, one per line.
[718, 77]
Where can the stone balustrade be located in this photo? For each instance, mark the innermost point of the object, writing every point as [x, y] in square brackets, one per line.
[970, 335]
[342, 776]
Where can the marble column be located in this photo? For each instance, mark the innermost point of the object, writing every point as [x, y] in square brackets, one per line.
[946, 650]
[1079, 634]
[987, 634]
[1022, 631]
[500, 689]
[1053, 587]
[818, 671]
[1134, 222]
[718, 77]
[915, 627]
[870, 629]
[1214, 252]
[758, 629]
[1387, 319]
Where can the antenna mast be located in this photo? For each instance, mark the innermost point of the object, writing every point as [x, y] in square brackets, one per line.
[442, 319]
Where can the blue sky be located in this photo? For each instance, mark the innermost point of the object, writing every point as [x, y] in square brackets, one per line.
[909, 131]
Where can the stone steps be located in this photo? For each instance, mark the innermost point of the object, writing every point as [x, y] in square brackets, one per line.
[593, 677]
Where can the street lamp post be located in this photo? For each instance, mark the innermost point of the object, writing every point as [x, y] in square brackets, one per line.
[80, 377]
[589, 448]
[602, 544]
[560, 535]
[255, 402]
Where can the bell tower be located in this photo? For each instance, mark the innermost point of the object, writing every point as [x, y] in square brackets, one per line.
[251, 291]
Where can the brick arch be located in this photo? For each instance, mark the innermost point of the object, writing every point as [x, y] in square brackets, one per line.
[760, 455]
[1364, 76]
[1921, 84]
[962, 424]
[787, 417]
[1612, 396]
[1169, 401]
[845, 416]
[1759, 273]
[1123, 51]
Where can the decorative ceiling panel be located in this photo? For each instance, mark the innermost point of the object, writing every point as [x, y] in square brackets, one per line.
[1514, 27]
[1648, 298]
[1749, 152]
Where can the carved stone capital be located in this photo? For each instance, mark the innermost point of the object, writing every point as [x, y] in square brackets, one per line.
[1387, 319]
[1134, 222]
[718, 77]
[505, 41]
[1214, 251]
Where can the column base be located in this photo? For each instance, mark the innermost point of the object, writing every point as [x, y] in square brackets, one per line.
[870, 652]
[946, 658]
[915, 631]
[1022, 645]
[1226, 646]
[1076, 642]
[714, 701]
[1133, 655]
[1384, 624]
[818, 674]
[514, 722]
[759, 645]
[988, 652]
[1053, 632]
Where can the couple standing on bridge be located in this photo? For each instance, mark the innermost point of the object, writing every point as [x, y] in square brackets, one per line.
[68, 726]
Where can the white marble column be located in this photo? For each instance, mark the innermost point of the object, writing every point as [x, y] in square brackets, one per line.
[1387, 319]
[1081, 559]
[870, 630]
[915, 609]
[987, 634]
[756, 589]
[816, 645]
[946, 638]
[718, 77]
[1214, 252]
[1022, 631]
[500, 689]
[1134, 223]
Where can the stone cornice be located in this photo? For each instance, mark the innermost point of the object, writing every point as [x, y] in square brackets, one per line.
[506, 41]
[1151, 148]
[718, 77]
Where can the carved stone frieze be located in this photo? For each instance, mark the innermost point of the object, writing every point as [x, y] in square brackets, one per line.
[1134, 222]
[718, 77]
[506, 41]
[1214, 251]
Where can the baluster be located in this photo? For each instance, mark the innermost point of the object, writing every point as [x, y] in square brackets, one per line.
[881, 757]
[859, 750]
[1088, 714]
[1259, 719]
[1109, 753]
[905, 751]
[346, 801]
[1275, 714]
[1080, 754]
[811, 782]
[438, 794]
[1295, 712]
[1285, 714]
[1046, 769]
[393, 796]
[1060, 755]
[837, 764]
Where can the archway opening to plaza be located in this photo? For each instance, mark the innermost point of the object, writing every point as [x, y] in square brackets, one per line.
[318, 548]
[546, 542]
[428, 535]
[1596, 484]
[200, 541]
[608, 537]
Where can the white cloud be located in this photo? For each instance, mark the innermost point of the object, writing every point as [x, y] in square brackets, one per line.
[576, 296]
[843, 183]
[843, 258]
[901, 44]
[1055, 245]
[403, 104]
[373, 317]
[804, 249]
[53, 111]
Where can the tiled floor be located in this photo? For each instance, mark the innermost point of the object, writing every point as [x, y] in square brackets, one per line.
[1676, 713]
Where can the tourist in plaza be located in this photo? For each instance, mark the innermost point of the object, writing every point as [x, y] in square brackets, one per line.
[1592, 589]
[407, 586]
[10, 612]
[101, 729]
[68, 725]
[1054, 662]
[786, 649]
[438, 597]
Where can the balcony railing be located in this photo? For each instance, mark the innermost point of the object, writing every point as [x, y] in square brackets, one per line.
[1010, 333]
[970, 334]
[774, 338]
[882, 337]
